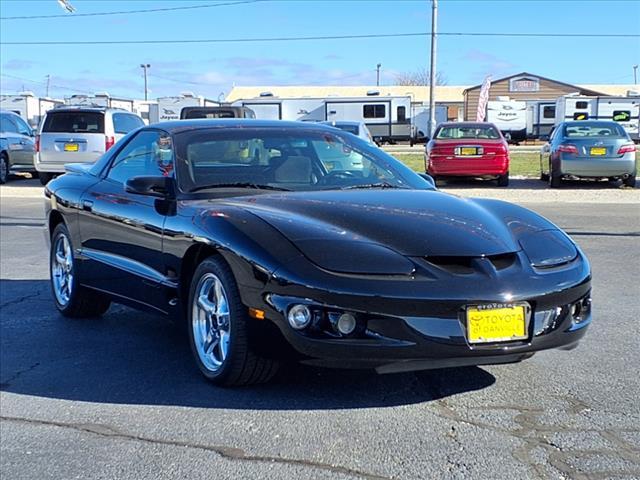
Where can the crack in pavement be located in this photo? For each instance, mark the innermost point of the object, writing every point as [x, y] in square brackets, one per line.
[21, 299]
[17, 374]
[228, 453]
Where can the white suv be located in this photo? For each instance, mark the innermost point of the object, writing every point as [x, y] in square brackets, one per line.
[70, 134]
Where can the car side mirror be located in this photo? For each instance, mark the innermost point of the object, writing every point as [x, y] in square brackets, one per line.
[162, 187]
[428, 178]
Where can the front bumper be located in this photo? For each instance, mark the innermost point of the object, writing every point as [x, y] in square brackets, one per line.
[405, 333]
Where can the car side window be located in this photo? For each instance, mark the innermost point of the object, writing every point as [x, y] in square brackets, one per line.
[149, 153]
[7, 125]
[23, 128]
[124, 123]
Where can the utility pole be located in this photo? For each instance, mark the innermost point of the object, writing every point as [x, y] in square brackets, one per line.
[635, 74]
[144, 67]
[378, 74]
[432, 70]
[48, 82]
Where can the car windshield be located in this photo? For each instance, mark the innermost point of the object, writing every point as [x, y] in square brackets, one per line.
[475, 131]
[285, 159]
[594, 129]
[347, 128]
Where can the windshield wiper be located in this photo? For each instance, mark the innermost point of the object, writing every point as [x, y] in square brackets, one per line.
[255, 186]
[382, 185]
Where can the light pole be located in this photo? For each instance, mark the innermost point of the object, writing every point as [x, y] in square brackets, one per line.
[635, 74]
[144, 66]
[432, 70]
[378, 74]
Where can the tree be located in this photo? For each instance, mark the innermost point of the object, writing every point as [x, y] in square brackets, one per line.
[419, 78]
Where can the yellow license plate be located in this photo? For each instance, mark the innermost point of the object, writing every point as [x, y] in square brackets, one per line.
[468, 151]
[503, 324]
[71, 147]
[598, 151]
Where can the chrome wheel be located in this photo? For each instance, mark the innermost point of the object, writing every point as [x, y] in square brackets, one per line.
[62, 269]
[210, 321]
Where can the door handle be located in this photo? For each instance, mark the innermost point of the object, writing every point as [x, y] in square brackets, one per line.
[87, 205]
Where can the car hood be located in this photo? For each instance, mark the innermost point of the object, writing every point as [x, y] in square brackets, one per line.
[409, 222]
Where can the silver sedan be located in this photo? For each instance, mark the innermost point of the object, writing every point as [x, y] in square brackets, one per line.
[588, 149]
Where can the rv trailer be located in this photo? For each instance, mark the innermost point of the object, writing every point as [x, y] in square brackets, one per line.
[510, 116]
[268, 107]
[541, 115]
[420, 119]
[100, 99]
[624, 110]
[28, 106]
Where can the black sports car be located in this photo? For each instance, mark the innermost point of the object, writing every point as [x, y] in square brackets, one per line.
[274, 240]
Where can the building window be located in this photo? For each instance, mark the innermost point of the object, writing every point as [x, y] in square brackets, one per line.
[621, 115]
[374, 111]
[549, 111]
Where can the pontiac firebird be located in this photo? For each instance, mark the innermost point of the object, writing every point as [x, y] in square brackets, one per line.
[274, 241]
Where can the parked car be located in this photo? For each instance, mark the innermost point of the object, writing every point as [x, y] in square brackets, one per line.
[237, 228]
[588, 149]
[222, 111]
[359, 129]
[17, 146]
[468, 149]
[71, 134]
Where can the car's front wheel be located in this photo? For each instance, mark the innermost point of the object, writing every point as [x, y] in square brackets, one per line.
[72, 300]
[4, 168]
[218, 329]
[630, 181]
[45, 177]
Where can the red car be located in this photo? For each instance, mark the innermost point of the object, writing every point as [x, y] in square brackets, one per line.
[468, 149]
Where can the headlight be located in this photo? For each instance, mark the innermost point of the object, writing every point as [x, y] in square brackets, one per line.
[548, 248]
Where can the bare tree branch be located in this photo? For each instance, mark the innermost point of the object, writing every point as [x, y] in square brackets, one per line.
[419, 78]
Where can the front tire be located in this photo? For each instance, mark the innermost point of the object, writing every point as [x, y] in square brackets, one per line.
[4, 169]
[71, 299]
[630, 181]
[218, 329]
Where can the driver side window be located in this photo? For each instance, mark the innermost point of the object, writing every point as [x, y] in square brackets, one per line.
[149, 153]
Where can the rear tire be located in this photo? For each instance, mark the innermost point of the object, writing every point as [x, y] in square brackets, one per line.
[71, 299]
[503, 180]
[630, 181]
[45, 177]
[4, 168]
[554, 179]
[218, 326]
[544, 177]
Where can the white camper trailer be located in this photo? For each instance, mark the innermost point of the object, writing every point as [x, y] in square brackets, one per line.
[541, 115]
[624, 110]
[388, 118]
[28, 106]
[510, 116]
[100, 99]
[421, 118]
[142, 108]
[297, 109]
[168, 108]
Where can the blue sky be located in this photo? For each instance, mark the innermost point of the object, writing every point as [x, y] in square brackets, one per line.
[209, 69]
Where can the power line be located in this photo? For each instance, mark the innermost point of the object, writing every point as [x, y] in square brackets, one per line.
[61, 87]
[128, 12]
[324, 37]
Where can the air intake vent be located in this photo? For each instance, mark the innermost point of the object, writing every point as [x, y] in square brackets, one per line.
[468, 265]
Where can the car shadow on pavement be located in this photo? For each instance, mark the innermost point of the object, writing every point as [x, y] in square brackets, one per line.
[128, 357]
[527, 184]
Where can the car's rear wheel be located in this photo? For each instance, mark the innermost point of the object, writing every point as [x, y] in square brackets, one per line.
[503, 180]
[218, 329]
[630, 181]
[4, 168]
[554, 178]
[72, 300]
[45, 177]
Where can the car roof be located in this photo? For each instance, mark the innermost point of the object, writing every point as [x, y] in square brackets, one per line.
[572, 123]
[87, 108]
[467, 124]
[176, 126]
[341, 122]
[8, 112]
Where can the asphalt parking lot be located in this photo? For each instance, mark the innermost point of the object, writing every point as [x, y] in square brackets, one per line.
[120, 397]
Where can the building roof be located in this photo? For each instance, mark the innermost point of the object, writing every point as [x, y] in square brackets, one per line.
[613, 90]
[584, 91]
[443, 93]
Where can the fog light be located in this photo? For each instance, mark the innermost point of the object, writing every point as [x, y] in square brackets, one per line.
[576, 309]
[346, 324]
[299, 316]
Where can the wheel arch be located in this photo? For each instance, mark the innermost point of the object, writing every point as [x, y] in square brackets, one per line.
[55, 218]
[194, 255]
